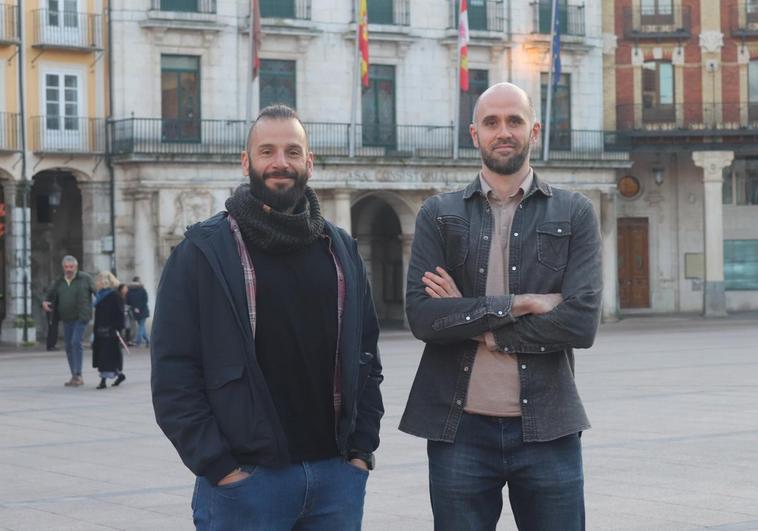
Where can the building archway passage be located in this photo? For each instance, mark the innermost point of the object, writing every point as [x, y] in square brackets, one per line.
[56, 231]
[376, 226]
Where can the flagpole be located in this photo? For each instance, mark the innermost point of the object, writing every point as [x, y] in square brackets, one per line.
[457, 93]
[249, 82]
[549, 110]
[356, 80]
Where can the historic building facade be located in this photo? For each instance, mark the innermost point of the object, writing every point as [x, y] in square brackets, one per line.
[681, 78]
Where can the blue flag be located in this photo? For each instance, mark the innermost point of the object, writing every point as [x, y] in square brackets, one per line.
[556, 59]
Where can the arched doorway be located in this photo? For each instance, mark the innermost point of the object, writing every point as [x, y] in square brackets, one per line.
[55, 203]
[377, 228]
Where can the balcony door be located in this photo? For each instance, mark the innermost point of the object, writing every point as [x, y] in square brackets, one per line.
[180, 98]
[478, 83]
[546, 16]
[656, 12]
[278, 8]
[752, 91]
[62, 127]
[380, 11]
[477, 13]
[658, 92]
[560, 111]
[378, 106]
[61, 24]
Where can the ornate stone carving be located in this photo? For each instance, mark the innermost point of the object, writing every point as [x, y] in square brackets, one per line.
[189, 208]
[711, 41]
[712, 162]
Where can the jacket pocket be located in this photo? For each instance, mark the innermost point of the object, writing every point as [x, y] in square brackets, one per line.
[553, 244]
[454, 230]
[217, 377]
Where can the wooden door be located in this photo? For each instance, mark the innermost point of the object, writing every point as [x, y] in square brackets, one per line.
[633, 263]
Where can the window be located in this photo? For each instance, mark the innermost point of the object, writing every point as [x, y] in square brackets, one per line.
[741, 183]
[477, 13]
[658, 92]
[189, 6]
[62, 13]
[278, 8]
[656, 12]
[380, 11]
[740, 265]
[560, 120]
[752, 90]
[546, 16]
[478, 83]
[378, 108]
[180, 98]
[277, 83]
[61, 102]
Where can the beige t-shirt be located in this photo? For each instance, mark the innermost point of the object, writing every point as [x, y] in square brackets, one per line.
[494, 387]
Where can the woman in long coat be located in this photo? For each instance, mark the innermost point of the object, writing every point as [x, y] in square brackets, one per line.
[109, 321]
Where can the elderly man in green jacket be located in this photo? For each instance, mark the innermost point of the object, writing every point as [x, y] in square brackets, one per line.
[73, 295]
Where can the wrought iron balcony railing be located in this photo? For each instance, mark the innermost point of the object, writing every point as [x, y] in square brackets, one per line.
[185, 6]
[744, 19]
[570, 18]
[8, 24]
[10, 132]
[488, 15]
[156, 137]
[67, 29]
[689, 118]
[387, 12]
[660, 22]
[68, 134]
[287, 9]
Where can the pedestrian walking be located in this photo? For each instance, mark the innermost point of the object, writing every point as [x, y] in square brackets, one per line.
[72, 293]
[107, 356]
[265, 368]
[504, 282]
[138, 303]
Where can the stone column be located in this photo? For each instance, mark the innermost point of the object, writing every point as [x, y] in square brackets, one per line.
[713, 163]
[342, 210]
[96, 225]
[407, 241]
[145, 246]
[609, 234]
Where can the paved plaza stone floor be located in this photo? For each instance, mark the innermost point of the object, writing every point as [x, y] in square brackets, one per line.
[674, 445]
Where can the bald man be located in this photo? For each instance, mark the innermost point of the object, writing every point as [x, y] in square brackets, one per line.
[504, 282]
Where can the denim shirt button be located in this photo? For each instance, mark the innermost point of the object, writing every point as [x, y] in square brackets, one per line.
[458, 402]
[525, 401]
[481, 270]
[500, 312]
[523, 366]
[486, 237]
[465, 369]
[468, 317]
[542, 349]
[515, 234]
[513, 268]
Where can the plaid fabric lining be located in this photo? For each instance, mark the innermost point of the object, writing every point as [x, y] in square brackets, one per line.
[249, 275]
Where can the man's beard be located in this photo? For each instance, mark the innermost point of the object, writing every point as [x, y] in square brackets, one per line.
[281, 200]
[508, 166]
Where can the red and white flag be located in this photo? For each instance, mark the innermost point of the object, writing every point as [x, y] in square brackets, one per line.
[363, 42]
[463, 37]
[255, 34]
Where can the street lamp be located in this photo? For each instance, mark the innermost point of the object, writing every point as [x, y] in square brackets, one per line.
[54, 197]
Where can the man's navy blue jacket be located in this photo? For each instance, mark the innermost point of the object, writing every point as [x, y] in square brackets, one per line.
[209, 393]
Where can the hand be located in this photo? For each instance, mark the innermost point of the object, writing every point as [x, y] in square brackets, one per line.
[359, 463]
[440, 285]
[47, 306]
[233, 477]
[535, 303]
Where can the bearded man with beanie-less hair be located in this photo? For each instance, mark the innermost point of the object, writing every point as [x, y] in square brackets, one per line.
[265, 368]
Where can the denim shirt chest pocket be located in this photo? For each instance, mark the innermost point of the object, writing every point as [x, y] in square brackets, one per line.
[455, 232]
[553, 244]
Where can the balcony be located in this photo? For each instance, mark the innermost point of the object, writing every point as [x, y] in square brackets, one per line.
[695, 123]
[285, 9]
[8, 24]
[67, 29]
[570, 19]
[68, 134]
[659, 23]
[10, 132]
[223, 140]
[744, 19]
[207, 7]
[487, 17]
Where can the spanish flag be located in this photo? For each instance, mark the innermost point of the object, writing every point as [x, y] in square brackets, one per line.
[363, 42]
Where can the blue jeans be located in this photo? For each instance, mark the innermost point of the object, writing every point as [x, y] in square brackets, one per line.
[466, 479]
[141, 332]
[72, 333]
[310, 496]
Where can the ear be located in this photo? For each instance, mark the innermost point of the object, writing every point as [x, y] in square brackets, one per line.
[309, 164]
[474, 135]
[245, 163]
[536, 128]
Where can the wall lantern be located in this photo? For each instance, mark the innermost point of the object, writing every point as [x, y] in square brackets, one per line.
[54, 197]
[658, 176]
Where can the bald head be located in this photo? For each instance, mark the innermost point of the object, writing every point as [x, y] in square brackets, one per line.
[504, 92]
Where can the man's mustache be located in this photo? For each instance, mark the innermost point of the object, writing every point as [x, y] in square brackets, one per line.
[287, 174]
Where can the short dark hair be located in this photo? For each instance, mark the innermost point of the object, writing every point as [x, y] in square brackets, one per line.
[275, 112]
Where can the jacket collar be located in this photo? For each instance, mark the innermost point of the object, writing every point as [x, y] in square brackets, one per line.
[475, 187]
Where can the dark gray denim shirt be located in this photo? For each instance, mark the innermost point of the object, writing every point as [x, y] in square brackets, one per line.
[554, 248]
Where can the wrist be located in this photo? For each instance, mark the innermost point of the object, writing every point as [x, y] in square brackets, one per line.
[366, 457]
